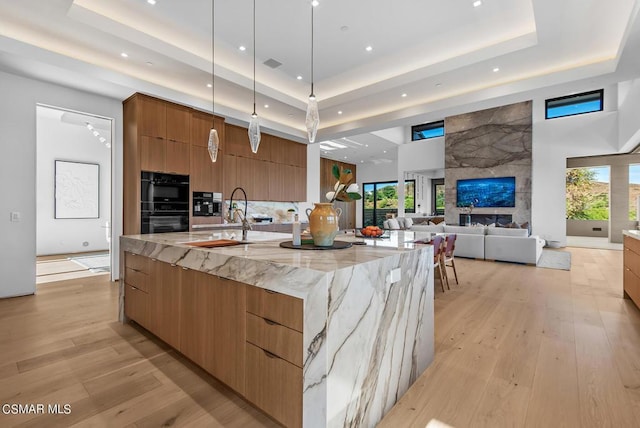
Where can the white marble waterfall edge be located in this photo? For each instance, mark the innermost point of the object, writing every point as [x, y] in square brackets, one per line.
[365, 339]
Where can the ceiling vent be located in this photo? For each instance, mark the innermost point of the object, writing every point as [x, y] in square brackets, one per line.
[272, 63]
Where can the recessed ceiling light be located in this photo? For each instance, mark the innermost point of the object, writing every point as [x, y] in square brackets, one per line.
[102, 139]
[496, 69]
[384, 151]
[124, 55]
[404, 95]
[369, 48]
[299, 77]
[339, 111]
[96, 134]
[209, 85]
[366, 145]
[266, 106]
[346, 157]
[242, 48]
[325, 153]
[361, 161]
[315, 3]
[151, 1]
[477, 3]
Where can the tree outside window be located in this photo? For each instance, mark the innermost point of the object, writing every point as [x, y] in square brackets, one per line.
[587, 193]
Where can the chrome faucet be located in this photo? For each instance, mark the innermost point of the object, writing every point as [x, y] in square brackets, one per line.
[245, 223]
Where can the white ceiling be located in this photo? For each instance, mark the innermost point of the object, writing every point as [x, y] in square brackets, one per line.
[441, 54]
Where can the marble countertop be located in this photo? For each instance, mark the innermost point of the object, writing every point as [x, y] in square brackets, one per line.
[635, 234]
[264, 247]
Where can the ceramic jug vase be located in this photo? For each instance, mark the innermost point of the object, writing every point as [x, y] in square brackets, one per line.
[323, 223]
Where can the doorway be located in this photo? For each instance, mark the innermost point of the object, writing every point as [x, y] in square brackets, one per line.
[73, 194]
[587, 200]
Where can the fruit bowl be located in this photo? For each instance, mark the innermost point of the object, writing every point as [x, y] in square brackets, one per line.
[371, 232]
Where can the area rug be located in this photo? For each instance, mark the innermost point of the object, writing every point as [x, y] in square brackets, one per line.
[95, 263]
[555, 259]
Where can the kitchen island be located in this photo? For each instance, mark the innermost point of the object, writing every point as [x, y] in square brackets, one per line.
[314, 338]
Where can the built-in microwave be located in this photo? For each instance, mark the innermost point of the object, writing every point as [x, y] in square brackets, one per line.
[207, 204]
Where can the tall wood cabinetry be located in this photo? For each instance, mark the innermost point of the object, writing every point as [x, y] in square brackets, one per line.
[161, 136]
[278, 172]
[327, 183]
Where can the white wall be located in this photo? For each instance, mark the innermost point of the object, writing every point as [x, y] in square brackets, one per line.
[629, 106]
[554, 141]
[17, 170]
[69, 142]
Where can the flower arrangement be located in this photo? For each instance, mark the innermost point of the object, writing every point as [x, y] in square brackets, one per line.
[345, 189]
[469, 208]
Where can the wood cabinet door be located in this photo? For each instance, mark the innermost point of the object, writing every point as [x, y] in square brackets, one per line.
[229, 177]
[253, 176]
[237, 142]
[178, 119]
[152, 117]
[200, 126]
[164, 302]
[213, 330]
[206, 176]
[277, 186]
[177, 157]
[152, 154]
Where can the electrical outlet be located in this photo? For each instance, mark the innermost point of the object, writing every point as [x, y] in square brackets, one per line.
[16, 216]
[395, 275]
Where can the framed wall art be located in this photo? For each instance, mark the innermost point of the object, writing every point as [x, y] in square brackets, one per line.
[77, 190]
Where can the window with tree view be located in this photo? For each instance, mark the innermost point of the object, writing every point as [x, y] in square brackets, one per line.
[437, 196]
[380, 199]
[634, 191]
[587, 193]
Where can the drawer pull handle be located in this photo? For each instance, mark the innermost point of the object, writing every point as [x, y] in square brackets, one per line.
[153, 260]
[185, 268]
[268, 321]
[269, 354]
[173, 265]
[270, 291]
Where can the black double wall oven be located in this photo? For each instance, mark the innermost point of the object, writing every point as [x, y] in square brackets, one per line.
[164, 202]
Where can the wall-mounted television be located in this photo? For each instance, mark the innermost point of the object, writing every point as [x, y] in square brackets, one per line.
[487, 192]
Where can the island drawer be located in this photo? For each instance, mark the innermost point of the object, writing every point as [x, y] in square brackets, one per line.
[283, 309]
[274, 385]
[275, 338]
[136, 262]
[137, 279]
[632, 243]
[136, 305]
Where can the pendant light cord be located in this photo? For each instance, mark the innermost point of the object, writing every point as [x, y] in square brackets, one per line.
[213, 64]
[254, 58]
[312, 94]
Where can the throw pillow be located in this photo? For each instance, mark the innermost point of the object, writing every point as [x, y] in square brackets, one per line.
[513, 225]
[431, 223]
[408, 222]
[401, 221]
[491, 225]
[393, 224]
[524, 225]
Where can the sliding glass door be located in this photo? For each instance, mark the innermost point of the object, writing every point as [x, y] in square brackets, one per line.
[381, 199]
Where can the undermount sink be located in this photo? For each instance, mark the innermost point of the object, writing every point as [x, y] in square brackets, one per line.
[216, 243]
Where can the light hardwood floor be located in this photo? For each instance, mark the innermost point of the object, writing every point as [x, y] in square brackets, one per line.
[515, 346]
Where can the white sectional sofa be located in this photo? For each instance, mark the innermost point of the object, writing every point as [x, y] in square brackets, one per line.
[491, 243]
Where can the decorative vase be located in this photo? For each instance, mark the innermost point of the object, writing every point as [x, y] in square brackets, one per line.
[323, 223]
[468, 220]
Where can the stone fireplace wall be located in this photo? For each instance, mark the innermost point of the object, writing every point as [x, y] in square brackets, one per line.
[490, 143]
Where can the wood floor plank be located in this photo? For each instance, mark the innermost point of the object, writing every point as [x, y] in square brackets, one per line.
[554, 400]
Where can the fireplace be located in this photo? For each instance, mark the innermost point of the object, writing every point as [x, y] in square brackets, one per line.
[486, 219]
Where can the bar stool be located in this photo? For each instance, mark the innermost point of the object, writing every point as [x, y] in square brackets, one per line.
[447, 256]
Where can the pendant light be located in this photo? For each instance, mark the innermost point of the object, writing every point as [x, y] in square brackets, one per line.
[214, 142]
[254, 124]
[313, 116]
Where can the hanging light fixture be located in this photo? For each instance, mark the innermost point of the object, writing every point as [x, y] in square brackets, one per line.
[214, 142]
[313, 116]
[254, 124]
